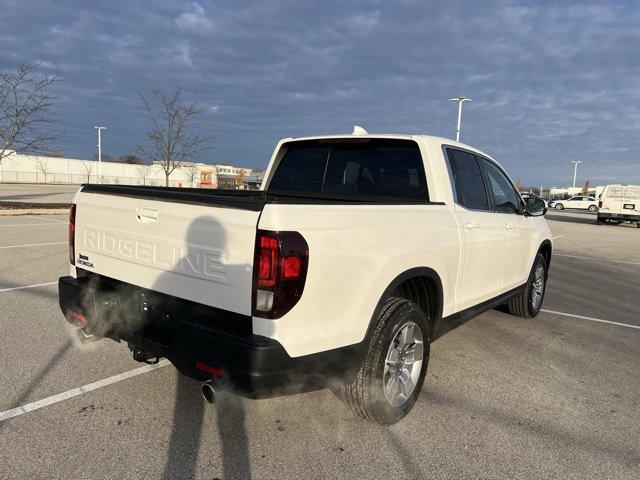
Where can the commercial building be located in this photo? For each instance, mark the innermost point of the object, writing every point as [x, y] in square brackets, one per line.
[17, 168]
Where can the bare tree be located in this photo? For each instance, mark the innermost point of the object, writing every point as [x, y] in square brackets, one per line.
[520, 186]
[25, 104]
[191, 171]
[585, 189]
[172, 139]
[42, 165]
[87, 166]
[240, 174]
[143, 172]
[130, 159]
[105, 157]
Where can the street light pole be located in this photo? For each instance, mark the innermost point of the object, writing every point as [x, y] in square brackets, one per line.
[99, 128]
[460, 100]
[575, 171]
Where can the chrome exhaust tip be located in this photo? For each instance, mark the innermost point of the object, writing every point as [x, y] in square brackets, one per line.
[208, 392]
[86, 337]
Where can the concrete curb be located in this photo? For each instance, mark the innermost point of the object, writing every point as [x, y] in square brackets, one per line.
[34, 211]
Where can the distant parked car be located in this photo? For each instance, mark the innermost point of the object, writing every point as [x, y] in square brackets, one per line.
[620, 203]
[583, 202]
[527, 196]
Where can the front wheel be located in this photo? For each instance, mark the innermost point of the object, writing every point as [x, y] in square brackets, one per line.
[529, 302]
[393, 367]
[593, 208]
[559, 206]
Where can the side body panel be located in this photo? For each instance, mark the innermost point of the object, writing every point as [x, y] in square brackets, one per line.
[355, 251]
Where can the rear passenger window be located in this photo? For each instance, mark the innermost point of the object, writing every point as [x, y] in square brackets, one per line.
[376, 169]
[468, 184]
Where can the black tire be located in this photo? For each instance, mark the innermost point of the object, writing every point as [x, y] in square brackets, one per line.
[558, 206]
[593, 208]
[523, 305]
[365, 394]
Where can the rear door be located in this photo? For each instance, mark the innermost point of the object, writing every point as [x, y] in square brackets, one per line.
[613, 199]
[202, 253]
[631, 200]
[484, 233]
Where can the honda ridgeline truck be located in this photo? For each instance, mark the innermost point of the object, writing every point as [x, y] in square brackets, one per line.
[357, 252]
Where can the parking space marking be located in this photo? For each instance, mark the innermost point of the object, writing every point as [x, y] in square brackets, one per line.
[74, 392]
[581, 317]
[33, 245]
[50, 219]
[11, 289]
[594, 258]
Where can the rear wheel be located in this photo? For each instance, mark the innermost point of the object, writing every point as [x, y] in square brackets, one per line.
[559, 206]
[593, 208]
[529, 302]
[393, 367]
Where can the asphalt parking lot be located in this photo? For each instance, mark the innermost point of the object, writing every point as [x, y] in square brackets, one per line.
[505, 397]
[22, 192]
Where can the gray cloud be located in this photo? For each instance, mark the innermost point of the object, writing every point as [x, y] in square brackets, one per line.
[550, 81]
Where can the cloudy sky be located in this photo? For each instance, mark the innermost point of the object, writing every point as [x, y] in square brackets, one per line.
[550, 81]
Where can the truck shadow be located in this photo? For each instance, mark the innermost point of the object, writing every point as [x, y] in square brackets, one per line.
[189, 431]
[567, 218]
[42, 373]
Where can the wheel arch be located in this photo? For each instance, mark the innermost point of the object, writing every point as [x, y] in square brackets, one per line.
[545, 249]
[421, 285]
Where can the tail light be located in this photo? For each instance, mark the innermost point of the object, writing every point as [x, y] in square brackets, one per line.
[72, 234]
[279, 272]
[600, 204]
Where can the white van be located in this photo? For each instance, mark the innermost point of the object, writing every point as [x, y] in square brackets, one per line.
[620, 203]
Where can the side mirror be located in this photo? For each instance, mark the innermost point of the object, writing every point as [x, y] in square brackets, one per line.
[535, 207]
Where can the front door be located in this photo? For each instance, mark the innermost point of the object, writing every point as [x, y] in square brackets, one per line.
[520, 230]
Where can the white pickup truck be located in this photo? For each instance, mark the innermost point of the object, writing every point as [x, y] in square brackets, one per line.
[357, 253]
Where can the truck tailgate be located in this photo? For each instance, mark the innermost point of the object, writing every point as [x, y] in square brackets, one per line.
[192, 250]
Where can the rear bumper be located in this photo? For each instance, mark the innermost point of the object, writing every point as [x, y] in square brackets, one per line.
[186, 333]
[619, 216]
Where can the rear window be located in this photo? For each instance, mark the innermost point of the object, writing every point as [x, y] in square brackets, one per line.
[376, 169]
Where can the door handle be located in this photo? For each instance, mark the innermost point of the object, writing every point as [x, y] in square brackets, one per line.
[510, 226]
[471, 225]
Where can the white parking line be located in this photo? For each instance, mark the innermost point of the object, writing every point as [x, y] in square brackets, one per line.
[74, 392]
[594, 258]
[11, 289]
[33, 245]
[581, 317]
[49, 219]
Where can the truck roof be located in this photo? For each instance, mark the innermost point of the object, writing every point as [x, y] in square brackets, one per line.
[429, 138]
